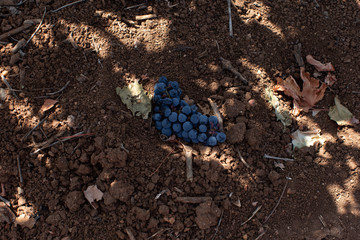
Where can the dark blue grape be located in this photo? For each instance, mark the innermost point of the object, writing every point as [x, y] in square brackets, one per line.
[166, 101]
[157, 99]
[221, 137]
[163, 79]
[202, 128]
[157, 117]
[202, 137]
[213, 120]
[194, 119]
[185, 134]
[167, 112]
[156, 109]
[203, 119]
[211, 141]
[159, 88]
[183, 103]
[187, 126]
[179, 92]
[173, 117]
[166, 123]
[193, 134]
[176, 127]
[182, 118]
[158, 125]
[174, 84]
[186, 110]
[194, 108]
[176, 102]
[173, 93]
[166, 131]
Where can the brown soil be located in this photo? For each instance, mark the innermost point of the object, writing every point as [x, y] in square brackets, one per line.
[98, 46]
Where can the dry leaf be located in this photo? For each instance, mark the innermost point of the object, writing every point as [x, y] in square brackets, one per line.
[327, 67]
[282, 114]
[330, 79]
[279, 165]
[48, 104]
[93, 193]
[308, 97]
[341, 115]
[25, 221]
[306, 139]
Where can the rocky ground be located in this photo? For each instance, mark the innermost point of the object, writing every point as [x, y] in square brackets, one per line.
[82, 52]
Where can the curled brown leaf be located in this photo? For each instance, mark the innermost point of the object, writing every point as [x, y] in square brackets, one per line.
[321, 67]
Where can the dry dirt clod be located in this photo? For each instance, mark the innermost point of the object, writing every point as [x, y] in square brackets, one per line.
[74, 200]
[207, 215]
[121, 191]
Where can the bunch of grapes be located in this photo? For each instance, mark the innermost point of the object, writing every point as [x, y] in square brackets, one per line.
[172, 115]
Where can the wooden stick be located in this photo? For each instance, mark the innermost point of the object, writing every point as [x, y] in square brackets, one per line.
[9, 87]
[26, 25]
[67, 5]
[226, 64]
[145, 17]
[230, 20]
[37, 29]
[193, 199]
[217, 113]
[130, 234]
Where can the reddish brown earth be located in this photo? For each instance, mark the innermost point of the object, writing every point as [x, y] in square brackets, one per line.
[98, 46]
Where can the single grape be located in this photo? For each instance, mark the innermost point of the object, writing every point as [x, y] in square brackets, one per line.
[183, 103]
[173, 93]
[187, 126]
[158, 125]
[193, 134]
[166, 123]
[194, 108]
[157, 99]
[166, 101]
[157, 116]
[159, 88]
[203, 119]
[213, 120]
[163, 79]
[221, 137]
[186, 110]
[166, 131]
[182, 118]
[194, 119]
[156, 109]
[202, 137]
[176, 127]
[176, 102]
[202, 128]
[174, 84]
[211, 141]
[185, 134]
[173, 117]
[167, 112]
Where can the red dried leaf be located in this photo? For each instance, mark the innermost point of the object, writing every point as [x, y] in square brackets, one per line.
[308, 97]
[48, 104]
[321, 67]
[330, 79]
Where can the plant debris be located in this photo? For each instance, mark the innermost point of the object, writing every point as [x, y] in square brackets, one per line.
[341, 115]
[321, 67]
[136, 99]
[306, 138]
[282, 114]
[48, 104]
[93, 193]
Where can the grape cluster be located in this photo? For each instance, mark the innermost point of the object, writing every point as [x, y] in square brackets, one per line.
[172, 115]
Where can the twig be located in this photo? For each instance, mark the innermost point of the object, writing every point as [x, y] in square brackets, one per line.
[18, 46]
[216, 113]
[129, 233]
[321, 218]
[226, 64]
[59, 91]
[188, 158]
[242, 159]
[123, 148]
[218, 225]
[19, 168]
[278, 158]
[28, 134]
[193, 199]
[316, 4]
[162, 162]
[9, 87]
[4, 3]
[297, 53]
[155, 234]
[261, 234]
[135, 6]
[145, 17]
[230, 20]
[37, 29]
[67, 5]
[217, 45]
[278, 202]
[161, 193]
[7, 202]
[26, 25]
[252, 215]
[3, 192]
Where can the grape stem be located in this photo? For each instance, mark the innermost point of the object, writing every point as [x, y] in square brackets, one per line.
[188, 158]
[216, 113]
